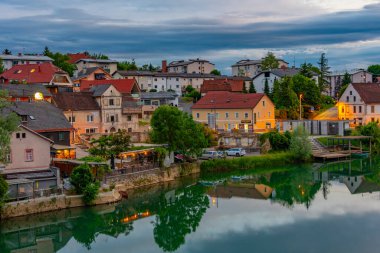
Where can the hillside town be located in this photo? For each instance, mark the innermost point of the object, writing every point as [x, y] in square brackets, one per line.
[68, 107]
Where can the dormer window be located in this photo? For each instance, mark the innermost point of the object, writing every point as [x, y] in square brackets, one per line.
[24, 118]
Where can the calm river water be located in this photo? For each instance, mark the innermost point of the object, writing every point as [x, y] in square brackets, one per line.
[313, 208]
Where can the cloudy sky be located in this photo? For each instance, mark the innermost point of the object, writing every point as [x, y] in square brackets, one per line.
[223, 31]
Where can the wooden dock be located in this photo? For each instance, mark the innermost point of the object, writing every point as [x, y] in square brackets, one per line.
[331, 155]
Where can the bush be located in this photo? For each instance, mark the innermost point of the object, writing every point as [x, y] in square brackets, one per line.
[3, 191]
[278, 141]
[81, 178]
[90, 192]
[300, 146]
[246, 163]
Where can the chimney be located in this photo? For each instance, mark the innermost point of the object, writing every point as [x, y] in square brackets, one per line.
[164, 66]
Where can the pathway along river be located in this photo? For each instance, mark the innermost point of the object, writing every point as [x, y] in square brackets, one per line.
[312, 208]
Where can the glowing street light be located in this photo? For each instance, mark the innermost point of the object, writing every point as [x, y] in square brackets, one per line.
[38, 96]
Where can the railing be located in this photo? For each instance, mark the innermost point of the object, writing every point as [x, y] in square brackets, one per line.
[35, 194]
[131, 169]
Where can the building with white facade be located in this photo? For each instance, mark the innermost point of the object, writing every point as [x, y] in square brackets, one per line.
[335, 80]
[360, 103]
[20, 59]
[250, 68]
[193, 66]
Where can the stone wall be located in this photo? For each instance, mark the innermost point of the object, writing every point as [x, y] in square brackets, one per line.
[46, 204]
[121, 183]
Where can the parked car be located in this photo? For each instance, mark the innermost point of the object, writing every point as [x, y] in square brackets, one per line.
[235, 152]
[211, 155]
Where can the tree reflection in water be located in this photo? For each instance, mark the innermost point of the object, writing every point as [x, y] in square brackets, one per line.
[179, 216]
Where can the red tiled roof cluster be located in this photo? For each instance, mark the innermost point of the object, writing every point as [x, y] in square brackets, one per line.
[228, 100]
[126, 86]
[75, 101]
[222, 85]
[369, 92]
[32, 73]
[75, 57]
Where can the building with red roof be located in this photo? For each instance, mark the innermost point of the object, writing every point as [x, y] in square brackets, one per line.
[222, 85]
[73, 58]
[124, 86]
[224, 110]
[44, 73]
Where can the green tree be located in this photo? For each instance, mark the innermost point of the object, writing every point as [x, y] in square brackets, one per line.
[180, 217]
[177, 129]
[1, 66]
[311, 94]
[90, 192]
[308, 70]
[215, 72]
[3, 192]
[109, 146]
[266, 87]
[7, 51]
[284, 96]
[374, 69]
[100, 56]
[252, 88]
[8, 124]
[269, 62]
[81, 177]
[300, 145]
[345, 82]
[323, 72]
[126, 65]
[61, 61]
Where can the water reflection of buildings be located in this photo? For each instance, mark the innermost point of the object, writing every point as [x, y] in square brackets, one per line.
[355, 174]
[241, 190]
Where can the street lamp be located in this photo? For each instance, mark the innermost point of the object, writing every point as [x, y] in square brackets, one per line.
[300, 106]
[38, 96]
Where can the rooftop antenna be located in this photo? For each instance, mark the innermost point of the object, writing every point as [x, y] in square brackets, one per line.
[294, 61]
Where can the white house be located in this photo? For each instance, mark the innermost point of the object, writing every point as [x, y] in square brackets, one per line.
[20, 59]
[251, 68]
[275, 74]
[335, 80]
[360, 103]
[108, 65]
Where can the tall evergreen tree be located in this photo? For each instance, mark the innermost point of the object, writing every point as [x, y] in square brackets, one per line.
[266, 88]
[7, 51]
[345, 82]
[324, 71]
[1, 66]
[252, 88]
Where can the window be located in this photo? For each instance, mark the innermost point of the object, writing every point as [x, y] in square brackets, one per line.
[360, 109]
[197, 115]
[28, 155]
[129, 130]
[236, 115]
[347, 99]
[354, 109]
[354, 98]
[372, 109]
[227, 115]
[8, 157]
[23, 135]
[71, 119]
[129, 118]
[90, 130]
[61, 136]
[342, 109]
[268, 114]
[118, 101]
[18, 135]
[110, 101]
[373, 119]
[112, 118]
[258, 115]
[350, 92]
[217, 116]
[263, 103]
[254, 118]
[246, 115]
[90, 118]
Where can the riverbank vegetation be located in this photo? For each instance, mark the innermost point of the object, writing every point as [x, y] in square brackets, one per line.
[85, 183]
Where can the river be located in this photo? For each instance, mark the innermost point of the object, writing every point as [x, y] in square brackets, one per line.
[331, 207]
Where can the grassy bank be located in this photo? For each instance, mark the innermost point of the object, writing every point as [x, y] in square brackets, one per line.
[248, 163]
